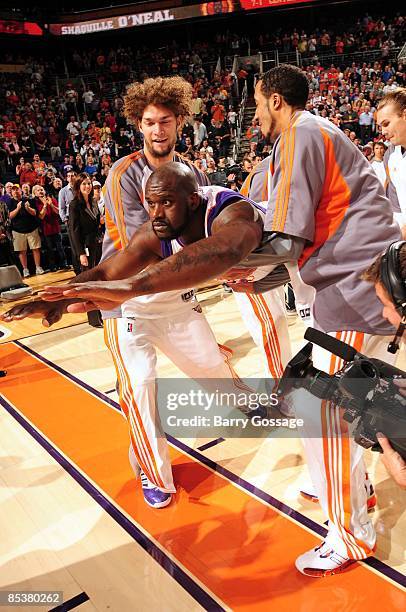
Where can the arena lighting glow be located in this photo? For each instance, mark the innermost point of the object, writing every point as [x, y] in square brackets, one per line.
[26, 28]
[252, 5]
[206, 9]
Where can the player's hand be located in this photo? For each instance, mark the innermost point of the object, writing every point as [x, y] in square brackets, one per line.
[49, 313]
[394, 463]
[96, 295]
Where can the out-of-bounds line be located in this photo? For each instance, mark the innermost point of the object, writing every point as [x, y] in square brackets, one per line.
[72, 603]
[210, 444]
[373, 562]
[174, 570]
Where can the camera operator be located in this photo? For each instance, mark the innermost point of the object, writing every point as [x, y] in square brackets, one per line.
[388, 273]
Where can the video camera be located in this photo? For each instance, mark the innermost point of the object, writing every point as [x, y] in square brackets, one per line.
[363, 388]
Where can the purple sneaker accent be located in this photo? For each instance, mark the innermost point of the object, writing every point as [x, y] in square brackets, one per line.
[153, 496]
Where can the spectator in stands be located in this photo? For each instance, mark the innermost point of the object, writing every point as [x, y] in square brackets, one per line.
[14, 150]
[91, 165]
[79, 164]
[253, 133]
[48, 213]
[85, 229]
[99, 199]
[65, 197]
[55, 140]
[24, 226]
[88, 97]
[6, 195]
[28, 175]
[73, 127]
[232, 121]
[123, 143]
[366, 123]
[84, 222]
[55, 188]
[200, 132]
[350, 119]
[6, 239]
[40, 140]
[26, 191]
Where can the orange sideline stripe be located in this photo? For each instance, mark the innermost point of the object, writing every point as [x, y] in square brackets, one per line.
[237, 546]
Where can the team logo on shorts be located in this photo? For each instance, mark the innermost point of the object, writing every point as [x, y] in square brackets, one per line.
[129, 327]
[304, 313]
[186, 297]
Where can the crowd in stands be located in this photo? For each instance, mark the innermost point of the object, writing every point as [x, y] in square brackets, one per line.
[46, 133]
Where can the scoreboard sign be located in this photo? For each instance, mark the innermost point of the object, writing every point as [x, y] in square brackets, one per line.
[132, 20]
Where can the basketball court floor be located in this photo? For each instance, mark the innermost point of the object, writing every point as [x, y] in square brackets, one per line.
[74, 519]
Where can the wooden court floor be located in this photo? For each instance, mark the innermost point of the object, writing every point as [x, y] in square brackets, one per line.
[74, 520]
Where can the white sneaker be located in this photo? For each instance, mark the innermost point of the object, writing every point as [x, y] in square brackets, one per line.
[26, 272]
[39, 270]
[322, 561]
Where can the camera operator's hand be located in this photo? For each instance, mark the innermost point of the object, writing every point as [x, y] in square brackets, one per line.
[401, 383]
[393, 462]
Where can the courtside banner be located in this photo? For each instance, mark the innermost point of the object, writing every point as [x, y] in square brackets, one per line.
[141, 19]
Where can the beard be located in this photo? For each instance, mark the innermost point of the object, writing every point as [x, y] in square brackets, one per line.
[161, 152]
[169, 232]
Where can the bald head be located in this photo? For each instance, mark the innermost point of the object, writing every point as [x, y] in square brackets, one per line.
[171, 194]
[173, 175]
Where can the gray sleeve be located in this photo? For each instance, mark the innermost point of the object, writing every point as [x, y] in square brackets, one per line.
[255, 185]
[297, 182]
[62, 204]
[277, 248]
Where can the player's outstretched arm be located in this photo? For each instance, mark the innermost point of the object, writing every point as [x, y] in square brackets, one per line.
[235, 234]
[143, 249]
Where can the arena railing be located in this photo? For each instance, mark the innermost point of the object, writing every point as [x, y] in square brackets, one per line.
[358, 57]
[240, 120]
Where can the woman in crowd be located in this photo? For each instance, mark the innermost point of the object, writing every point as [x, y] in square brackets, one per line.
[79, 163]
[84, 229]
[48, 213]
[6, 238]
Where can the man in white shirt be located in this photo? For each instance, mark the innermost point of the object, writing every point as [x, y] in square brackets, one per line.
[73, 127]
[377, 161]
[200, 132]
[391, 118]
